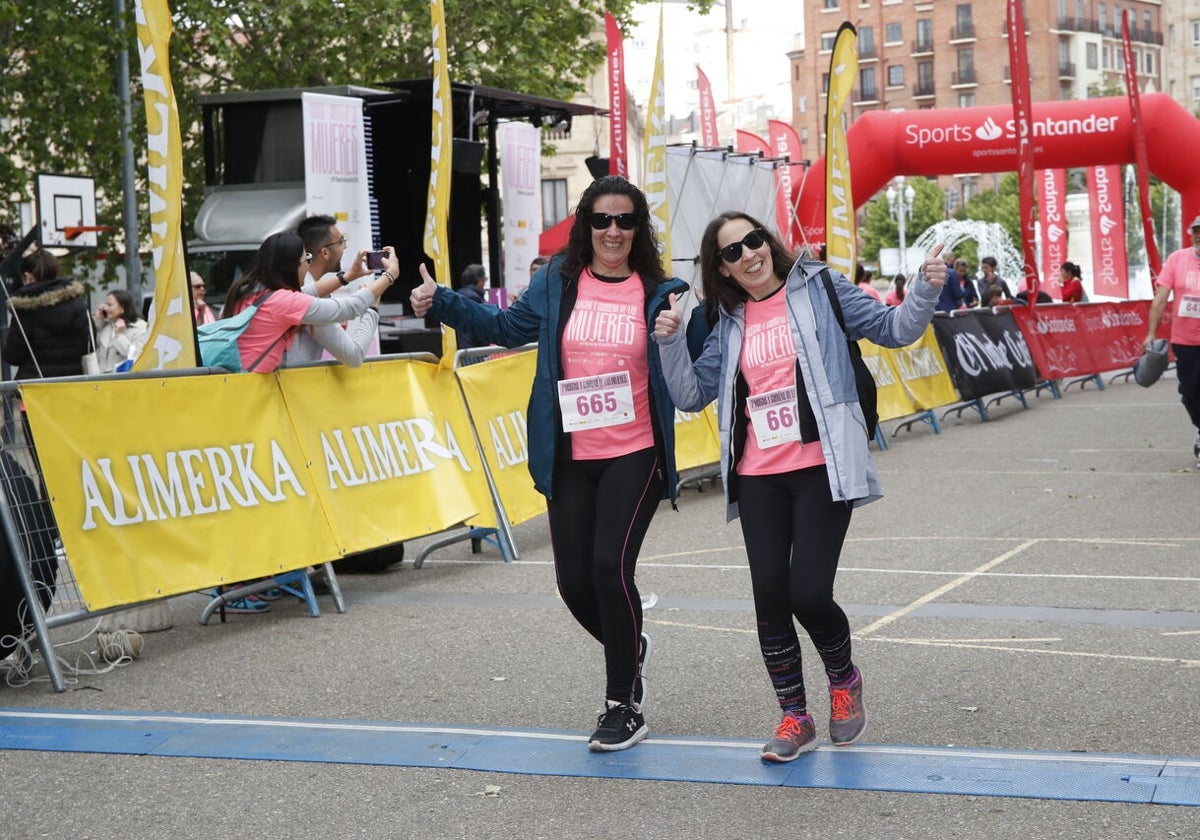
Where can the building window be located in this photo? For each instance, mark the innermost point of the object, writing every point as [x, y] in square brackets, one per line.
[924, 34]
[924, 78]
[1081, 9]
[1195, 88]
[825, 83]
[893, 33]
[969, 190]
[554, 201]
[951, 200]
[1195, 25]
[1103, 13]
[1106, 57]
[1148, 58]
[827, 39]
[802, 104]
[964, 27]
[831, 4]
[866, 84]
[1147, 22]
[895, 75]
[966, 66]
[966, 100]
[1093, 56]
[866, 42]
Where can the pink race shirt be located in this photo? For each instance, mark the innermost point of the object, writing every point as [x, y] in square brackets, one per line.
[1181, 274]
[606, 334]
[769, 367]
[276, 315]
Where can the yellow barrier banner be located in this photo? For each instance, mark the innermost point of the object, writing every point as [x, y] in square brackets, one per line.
[162, 486]
[893, 398]
[390, 447]
[696, 438]
[923, 371]
[497, 393]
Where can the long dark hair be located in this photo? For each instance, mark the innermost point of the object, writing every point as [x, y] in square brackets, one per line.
[722, 290]
[41, 264]
[124, 299]
[643, 254]
[275, 266]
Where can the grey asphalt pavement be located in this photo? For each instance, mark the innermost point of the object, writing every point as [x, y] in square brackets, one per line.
[1029, 583]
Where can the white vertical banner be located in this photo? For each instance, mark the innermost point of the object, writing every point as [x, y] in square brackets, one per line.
[335, 175]
[520, 147]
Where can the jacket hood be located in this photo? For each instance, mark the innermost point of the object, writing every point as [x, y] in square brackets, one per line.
[46, 293]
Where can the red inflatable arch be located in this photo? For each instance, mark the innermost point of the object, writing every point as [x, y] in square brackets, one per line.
[1089, 132]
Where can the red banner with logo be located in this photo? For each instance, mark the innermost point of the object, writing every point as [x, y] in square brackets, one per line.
[1052, 199]
[618, 153]
[1110, 270]
[785, 143]
[1083, 339]
[1023, 116]
[708, 112]
[1142, 167]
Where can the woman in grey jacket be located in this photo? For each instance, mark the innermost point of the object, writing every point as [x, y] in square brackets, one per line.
[794, 456]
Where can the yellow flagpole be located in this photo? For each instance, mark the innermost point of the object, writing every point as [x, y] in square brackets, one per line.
[840, 236]
[171, 342]
[657, 191]
[436, 242]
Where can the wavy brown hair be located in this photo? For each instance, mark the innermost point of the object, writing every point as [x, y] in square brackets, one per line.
[644, 257]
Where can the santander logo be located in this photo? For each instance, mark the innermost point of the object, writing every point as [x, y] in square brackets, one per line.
[1106, 225]
[1054, 233]
[989, 130]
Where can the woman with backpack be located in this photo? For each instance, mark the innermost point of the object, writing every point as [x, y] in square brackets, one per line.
[272, 283]
[794, 455]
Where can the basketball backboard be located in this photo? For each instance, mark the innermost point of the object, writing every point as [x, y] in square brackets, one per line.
[66, 203]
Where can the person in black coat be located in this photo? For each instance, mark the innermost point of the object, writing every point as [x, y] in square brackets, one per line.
[48, 333]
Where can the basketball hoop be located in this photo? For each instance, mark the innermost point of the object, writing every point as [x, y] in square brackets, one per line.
[74, 232]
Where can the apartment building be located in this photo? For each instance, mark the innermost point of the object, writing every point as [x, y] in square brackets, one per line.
[942, 54]
[1181, 53]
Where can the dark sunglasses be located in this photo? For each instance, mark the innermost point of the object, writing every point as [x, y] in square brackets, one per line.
[601, 221]
[753, 240]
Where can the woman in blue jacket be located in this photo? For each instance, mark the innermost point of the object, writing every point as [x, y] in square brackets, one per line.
[794, 456]
[600, 421]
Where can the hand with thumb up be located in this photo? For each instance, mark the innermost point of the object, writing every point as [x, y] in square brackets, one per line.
[422, 296]
[668, 321]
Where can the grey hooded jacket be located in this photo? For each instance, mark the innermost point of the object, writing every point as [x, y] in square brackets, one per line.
[824, 364]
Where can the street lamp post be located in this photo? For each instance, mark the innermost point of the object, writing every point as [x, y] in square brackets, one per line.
[900, 208]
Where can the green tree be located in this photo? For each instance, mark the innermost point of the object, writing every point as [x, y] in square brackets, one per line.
[62, 113]
[879, 230]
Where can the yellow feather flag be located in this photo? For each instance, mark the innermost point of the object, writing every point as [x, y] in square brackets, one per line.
[171, 342]
[840, 236]
[657, 191]
[437, 242]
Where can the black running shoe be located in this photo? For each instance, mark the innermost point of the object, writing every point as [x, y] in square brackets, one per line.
[620, 727]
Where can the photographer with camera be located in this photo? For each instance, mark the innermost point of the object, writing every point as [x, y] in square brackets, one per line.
[352, 343]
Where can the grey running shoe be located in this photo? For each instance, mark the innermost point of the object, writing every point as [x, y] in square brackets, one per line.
[847, 714]
[794, 736]
[620, 728]
[640, 690]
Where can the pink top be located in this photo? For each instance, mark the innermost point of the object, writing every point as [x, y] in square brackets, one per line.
[893, 299]
[1181, 274]
[769, 364]
[869, 289]
[606, 333]
[277, 314]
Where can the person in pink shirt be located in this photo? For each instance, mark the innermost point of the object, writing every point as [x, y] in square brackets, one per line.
[273, 280]
[1179, 282]
[202, 311]
[895, 295]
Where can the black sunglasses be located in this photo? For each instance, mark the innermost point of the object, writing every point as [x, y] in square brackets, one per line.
[753, 240]
[601, 221]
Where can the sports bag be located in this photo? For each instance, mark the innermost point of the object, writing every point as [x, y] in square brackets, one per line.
[868, 399]
[219, 340]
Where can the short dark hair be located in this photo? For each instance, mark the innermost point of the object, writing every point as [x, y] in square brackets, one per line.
[314, 231]
[988, 261]
[472, 275]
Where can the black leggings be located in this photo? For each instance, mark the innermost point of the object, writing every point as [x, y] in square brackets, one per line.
[598, 517]
[1187, 369]
[793, 532]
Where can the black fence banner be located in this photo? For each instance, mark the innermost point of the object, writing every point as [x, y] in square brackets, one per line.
[985, 352]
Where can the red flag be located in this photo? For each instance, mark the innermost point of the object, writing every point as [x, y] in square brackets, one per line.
[1110, 275]
[749, 143]
[1023, 116]
[708, 112]
[1052, 221]
[618, 159]
[785, 143]
[1139, 150]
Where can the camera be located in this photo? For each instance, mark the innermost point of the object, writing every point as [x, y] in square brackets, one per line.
[375, 260]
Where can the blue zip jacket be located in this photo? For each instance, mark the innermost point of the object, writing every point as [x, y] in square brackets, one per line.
[540, 316]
